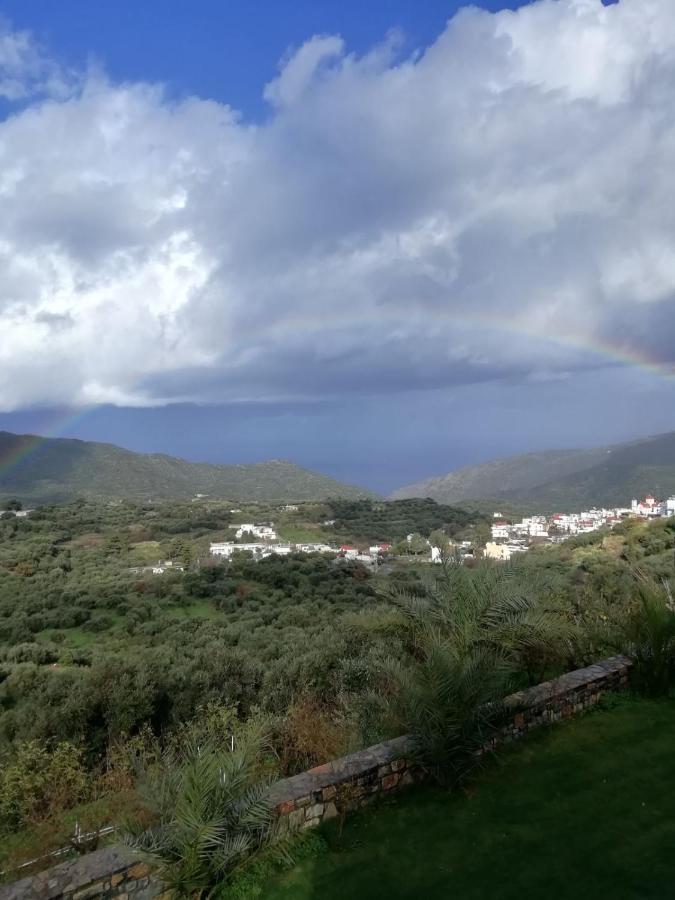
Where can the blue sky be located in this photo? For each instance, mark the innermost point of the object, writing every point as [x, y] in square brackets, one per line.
[381, 239]
[221, 49]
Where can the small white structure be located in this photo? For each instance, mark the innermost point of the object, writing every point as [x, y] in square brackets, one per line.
[377, 549]
[263, 532]
[315, 548]
[501, 531]
[349, 551]
[162, 566]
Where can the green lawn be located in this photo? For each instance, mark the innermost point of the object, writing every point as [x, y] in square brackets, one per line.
[585, 810]
[301, 532]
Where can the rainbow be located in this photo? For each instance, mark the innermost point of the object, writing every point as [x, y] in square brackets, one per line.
[613, 352]
[58, 426]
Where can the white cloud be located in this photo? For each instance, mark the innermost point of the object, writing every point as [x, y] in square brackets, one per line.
[484, 209]
[26, 71]
[300, 69]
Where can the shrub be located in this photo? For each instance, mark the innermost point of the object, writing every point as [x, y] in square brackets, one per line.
[649, 637]
[467, 633]
[36, 782]
[212, 811]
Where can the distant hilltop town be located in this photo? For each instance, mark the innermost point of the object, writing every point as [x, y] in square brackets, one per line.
[509, 538]
[261, 540]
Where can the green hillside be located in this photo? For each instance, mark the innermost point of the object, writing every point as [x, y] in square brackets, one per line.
[56, 469]
[562, 480]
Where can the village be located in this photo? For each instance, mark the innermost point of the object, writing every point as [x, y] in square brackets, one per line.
[268, 544]
[508, 538]
[261, 540]
[517, 537]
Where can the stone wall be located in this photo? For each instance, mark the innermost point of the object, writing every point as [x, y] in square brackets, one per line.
[309, 798]
[111, 872]
[306, 800]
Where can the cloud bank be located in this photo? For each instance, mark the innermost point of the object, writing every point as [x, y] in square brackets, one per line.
[499, 205]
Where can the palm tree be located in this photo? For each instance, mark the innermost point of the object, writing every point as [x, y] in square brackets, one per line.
[212, 814]
[467, 633]
[449, 700]
[507, 608]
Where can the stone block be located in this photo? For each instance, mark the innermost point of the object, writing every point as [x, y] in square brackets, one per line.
[283, 809]
[91, 890]
[315, 811]
[329, 792]
[384, 770]
[390, 782]
[397, 765]
[116, 879]
[330, 811]
[296, 818]
[140, 870]
[303, 801]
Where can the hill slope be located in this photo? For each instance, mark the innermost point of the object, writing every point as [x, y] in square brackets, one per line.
[562, 479]
[57, 469]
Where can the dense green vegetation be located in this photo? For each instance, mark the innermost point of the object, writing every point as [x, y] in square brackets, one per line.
[562, 480]
[103, 662]
[55, 470]
[371, 520]
[585, 810]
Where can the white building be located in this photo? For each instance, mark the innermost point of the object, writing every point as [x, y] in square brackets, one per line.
[376, 549]
[263, 532]
[315, 548]
[501, 531]
[648, 508]
[349, 551]
[226, 549]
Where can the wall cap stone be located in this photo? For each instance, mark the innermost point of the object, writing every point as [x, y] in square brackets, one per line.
[72, 875]
[363, 762]
[542, 694]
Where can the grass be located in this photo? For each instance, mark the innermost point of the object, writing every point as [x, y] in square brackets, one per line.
[586, 809]
[302, 533]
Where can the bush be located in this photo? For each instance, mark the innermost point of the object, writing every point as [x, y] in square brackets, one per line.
[36, 782]
[650, 637]
[212, 811]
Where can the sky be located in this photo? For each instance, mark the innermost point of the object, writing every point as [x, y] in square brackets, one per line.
[383, 239]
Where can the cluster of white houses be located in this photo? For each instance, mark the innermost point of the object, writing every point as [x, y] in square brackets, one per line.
[268, 546]
[509, 538]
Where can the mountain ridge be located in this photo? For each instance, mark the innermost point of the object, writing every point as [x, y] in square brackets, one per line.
[38, 469]
[561, 480]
